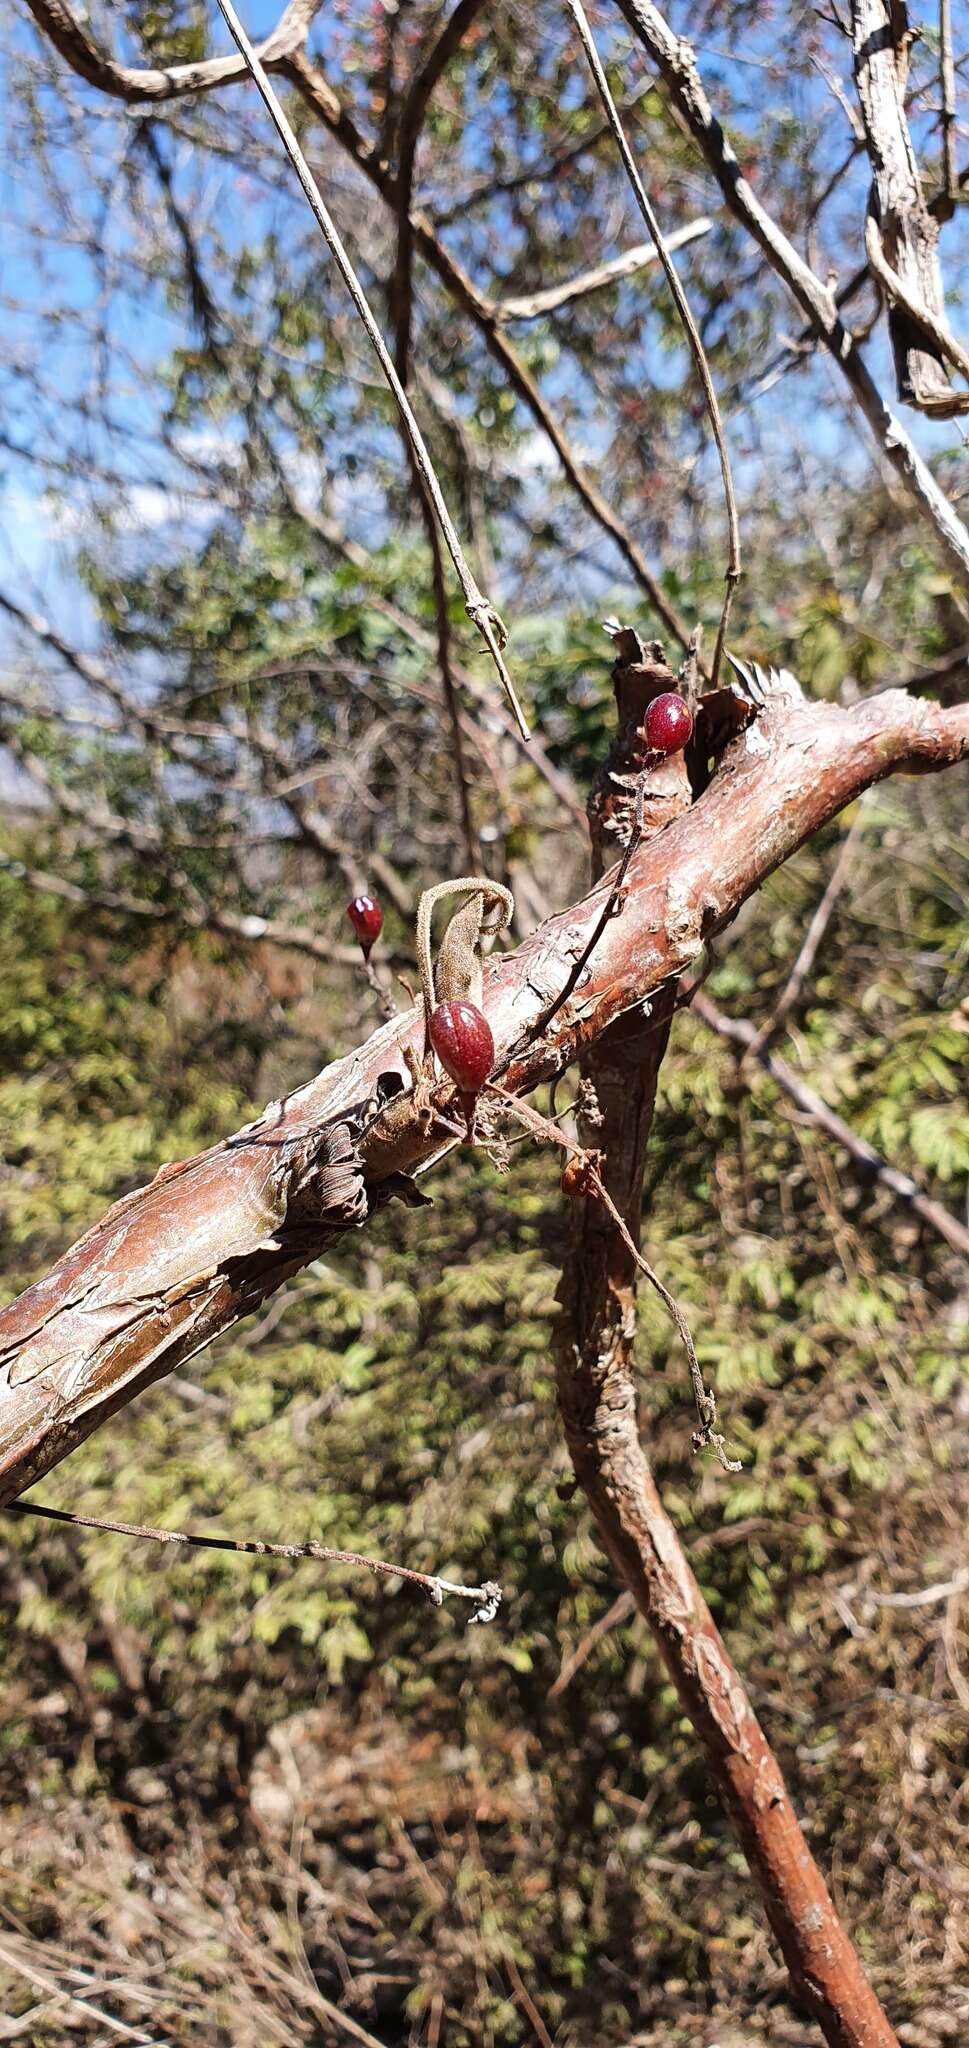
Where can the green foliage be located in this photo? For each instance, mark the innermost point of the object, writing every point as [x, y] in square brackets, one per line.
[203, 419]
[404, 1405]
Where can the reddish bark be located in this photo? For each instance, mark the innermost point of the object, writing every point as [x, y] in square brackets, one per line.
[596, 1377]
[210, 1238]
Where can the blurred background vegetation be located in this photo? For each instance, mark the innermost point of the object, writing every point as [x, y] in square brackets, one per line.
[238, 1795]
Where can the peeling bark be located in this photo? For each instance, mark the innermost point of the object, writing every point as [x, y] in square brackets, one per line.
[596, 1379]
[906, 236]
[676, 61]
[183, 1259]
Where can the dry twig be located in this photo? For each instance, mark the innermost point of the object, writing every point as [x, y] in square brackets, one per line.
[487, 1596]
[479, 610]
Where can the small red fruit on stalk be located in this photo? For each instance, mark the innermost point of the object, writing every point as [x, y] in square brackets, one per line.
[668, 723]
[367, 920]
[462, 1040]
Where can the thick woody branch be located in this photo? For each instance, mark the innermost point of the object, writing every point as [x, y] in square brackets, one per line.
[597, 1380]
[175, 81]
[210, 1238]
[676, 61]
[901, 236]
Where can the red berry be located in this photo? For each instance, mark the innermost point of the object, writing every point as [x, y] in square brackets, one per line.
[367, 920]
[668, 723]
[462, 1040]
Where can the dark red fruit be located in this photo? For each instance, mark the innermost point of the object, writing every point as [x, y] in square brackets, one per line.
[367, 920]
[462, 1040]
[668, 723]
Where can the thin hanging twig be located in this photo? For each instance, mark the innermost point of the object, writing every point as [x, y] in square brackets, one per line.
[481, 612]
[589, 1181]
[487, 1597]
[733, 569]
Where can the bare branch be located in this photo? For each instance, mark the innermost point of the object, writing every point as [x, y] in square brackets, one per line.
[623, 1608]
[901, 238]
[211, 1238]
[940, 207]
[534, 305]
[408, 136]
[481, 613]
[907, 311]
[124, 82]
[486, 1597]
[681, 302]
[947, 83]
[402, 294]
[677, 63]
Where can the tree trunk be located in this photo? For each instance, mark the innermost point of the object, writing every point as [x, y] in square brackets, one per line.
[596, 1377]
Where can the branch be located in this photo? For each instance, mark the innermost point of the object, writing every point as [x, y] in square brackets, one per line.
[920, 336]
[901, 237]
[676, 60]
[947, 82]
[870, 1164]
[125, 82]
[535, 304]
[940, 207]
[482, 614]
[402, 299]
[486, 1596]
[185, 1258]
[597, 1377]
[682, 304]
[408, 136]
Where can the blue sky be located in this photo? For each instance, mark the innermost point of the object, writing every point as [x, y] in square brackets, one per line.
[39, 532]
